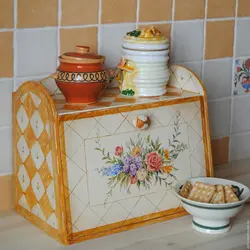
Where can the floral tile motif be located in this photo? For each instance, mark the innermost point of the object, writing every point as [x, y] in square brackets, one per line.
[145, 162]
[242, 77]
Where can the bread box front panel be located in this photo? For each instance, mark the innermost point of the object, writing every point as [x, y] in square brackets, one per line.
[118, 174]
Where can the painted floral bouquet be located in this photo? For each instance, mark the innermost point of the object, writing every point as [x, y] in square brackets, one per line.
[145, 162]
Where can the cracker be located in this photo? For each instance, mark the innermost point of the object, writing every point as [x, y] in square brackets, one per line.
[202, 192]
[230, 196]
[219, 196]
[186, 188]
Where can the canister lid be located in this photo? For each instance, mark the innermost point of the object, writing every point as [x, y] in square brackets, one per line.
[145, 39]
[81, 56]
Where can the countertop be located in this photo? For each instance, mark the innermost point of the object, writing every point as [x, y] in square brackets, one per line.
[18, 234]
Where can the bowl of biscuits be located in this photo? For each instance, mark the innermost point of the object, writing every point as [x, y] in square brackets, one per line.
[212, 202]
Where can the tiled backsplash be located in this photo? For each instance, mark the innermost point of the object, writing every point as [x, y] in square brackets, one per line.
[211, 37]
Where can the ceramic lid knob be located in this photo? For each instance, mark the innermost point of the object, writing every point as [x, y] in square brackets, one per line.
[141, 122]
[82, 49]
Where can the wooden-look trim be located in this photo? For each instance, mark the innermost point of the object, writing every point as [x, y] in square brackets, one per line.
[128, 224]
[39, 223]
[205, 126]
[65, 186]
[206, 136]
[40, 91]
[115, 110]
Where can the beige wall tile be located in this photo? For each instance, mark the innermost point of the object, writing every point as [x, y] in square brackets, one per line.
[6, 14]
[6, 194]
[219, 39]
[244, 8]
[78, 12]
[164, 28]
[37, 13]
[220, 150]
[69, 38]
[114, 11]
[157, 10]
[189, 9]
[221, 8]
[6, 52]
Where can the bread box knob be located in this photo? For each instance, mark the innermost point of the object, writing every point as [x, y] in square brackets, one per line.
[141, 122]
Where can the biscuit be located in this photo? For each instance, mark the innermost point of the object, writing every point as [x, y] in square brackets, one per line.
[219, 196]
[230, 196]
[202, 192]
[185, 190]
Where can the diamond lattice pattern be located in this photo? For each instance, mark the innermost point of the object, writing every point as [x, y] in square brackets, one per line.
[84, 216]
[35, 173]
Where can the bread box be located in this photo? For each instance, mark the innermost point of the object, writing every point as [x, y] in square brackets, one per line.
[85, 171]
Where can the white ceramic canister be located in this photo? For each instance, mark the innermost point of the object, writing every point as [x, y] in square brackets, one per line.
[144, 66]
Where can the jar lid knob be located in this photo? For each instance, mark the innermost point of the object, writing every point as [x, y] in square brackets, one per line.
[82, 49]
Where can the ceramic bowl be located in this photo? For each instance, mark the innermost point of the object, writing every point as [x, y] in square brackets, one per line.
[213, 218]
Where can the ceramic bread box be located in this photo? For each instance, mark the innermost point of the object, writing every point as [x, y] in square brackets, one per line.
[85, 171]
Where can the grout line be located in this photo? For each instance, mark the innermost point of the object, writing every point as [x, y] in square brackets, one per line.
[5, 127]
[204, 41]
[6, 174]
[126, 23]
[172, 31]
[80, 26]
[240, 133]
[137, 13]
[232, 83]
[99, 25]
[220, 99]
[59, 28]
[15, 54]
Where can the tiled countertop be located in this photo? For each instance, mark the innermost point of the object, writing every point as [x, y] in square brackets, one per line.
[17, 233]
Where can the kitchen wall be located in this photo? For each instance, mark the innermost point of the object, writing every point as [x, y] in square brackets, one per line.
[210, 37]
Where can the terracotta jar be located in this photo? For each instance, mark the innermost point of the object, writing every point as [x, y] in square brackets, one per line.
[81, 76]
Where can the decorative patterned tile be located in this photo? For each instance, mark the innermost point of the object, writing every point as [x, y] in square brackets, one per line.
[124, 205]
[74, 140]
[22, 148]
[111, 124]
[37, 155]
[38, 212]
[23, 178]
[83, 223]
[51, 195]
[169, 201]
[77, 207]
[37, 186]
[23, 202]
[242, 77]
[88, 124]
[22, 118]
[162, 116]
[81, 190]
[52, 220]
[74, 175]
[115, 213]
[37, 124]
[143, 207]
[36, 175]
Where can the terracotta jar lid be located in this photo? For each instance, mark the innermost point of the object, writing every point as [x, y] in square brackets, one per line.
[81, 56]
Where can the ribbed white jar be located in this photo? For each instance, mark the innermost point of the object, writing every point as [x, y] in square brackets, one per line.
[145, 66]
